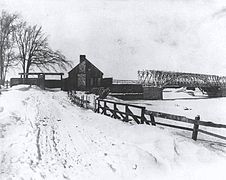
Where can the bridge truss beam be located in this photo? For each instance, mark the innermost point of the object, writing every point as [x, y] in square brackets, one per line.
[177, 79]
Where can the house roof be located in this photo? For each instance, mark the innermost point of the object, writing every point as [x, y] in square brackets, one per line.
[87, 61]
[94, 66]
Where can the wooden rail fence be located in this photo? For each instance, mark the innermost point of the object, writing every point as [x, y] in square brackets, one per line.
[82, 101]
[125, 115]
[139, 114]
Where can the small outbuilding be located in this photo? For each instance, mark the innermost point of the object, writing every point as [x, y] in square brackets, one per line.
[84, 76]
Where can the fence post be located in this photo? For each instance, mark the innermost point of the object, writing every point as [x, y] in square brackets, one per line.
[143, 119]
[7, 84]
[115, 107]
[95, 104]
[126, 111]
[86, 101]
[82, 101]
[152, 120]
[98, 106]
[105, 106]
[195, 128]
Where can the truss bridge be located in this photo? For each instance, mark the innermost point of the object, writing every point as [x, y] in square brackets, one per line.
[212, 84]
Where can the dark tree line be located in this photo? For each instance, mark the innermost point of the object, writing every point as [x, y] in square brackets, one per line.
[26, 46]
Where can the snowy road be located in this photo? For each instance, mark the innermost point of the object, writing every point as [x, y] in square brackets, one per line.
[44, 136]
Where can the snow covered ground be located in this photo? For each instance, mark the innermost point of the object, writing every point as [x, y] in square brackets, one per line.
[44, 136]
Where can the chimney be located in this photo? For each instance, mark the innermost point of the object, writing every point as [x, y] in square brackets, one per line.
[82, 58]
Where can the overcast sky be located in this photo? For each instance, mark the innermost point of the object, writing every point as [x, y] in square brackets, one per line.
[123, 36]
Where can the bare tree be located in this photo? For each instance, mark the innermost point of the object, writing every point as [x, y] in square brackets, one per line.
[34, 50]
[9, 59]
[7, 29]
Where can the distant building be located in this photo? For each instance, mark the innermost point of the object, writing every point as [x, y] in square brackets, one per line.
[84, 76]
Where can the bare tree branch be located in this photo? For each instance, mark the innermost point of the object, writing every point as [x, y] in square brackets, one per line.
[34, 50]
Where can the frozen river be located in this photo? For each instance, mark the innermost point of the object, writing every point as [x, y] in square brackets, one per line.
[183, 103]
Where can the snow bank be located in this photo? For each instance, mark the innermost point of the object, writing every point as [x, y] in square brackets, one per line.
[182, 93]
[24, 87]
[44, 136]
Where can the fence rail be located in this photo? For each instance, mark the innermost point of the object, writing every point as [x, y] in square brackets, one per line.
[126, 115]
[140, 117]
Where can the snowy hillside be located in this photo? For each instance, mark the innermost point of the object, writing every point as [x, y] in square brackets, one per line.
[44, 136]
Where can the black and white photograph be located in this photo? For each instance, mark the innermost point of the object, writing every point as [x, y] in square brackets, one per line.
[112, 89]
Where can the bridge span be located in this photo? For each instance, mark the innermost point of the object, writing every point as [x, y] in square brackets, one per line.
[213, 85]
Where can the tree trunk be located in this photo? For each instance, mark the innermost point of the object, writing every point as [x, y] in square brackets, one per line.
[1, 65]
[27, 69]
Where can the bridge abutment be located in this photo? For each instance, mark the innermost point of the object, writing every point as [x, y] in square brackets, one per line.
[223, 90]
[152, 93]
